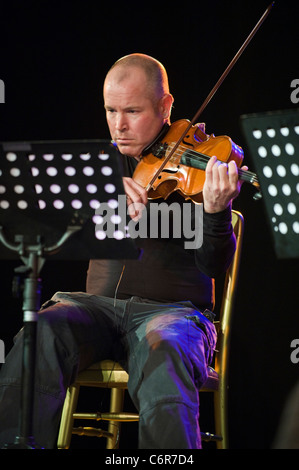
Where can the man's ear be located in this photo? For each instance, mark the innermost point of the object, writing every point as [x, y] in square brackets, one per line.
[166, 105]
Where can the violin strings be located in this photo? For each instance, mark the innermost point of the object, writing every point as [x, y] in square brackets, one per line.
[201, 157]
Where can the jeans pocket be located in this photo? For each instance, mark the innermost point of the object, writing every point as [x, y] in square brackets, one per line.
[209, 330]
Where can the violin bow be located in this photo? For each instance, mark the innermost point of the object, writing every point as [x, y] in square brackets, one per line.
[212, 92]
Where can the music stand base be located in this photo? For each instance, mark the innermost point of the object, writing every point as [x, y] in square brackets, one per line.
[22, 443]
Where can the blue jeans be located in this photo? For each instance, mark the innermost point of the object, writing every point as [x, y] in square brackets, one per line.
[166, 349]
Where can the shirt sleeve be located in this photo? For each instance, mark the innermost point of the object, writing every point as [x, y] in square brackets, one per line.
[217, 250]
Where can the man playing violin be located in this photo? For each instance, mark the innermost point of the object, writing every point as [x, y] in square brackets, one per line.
[152, 314]
[136, 109]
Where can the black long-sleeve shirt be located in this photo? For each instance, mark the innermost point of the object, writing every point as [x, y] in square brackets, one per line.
[167, 271]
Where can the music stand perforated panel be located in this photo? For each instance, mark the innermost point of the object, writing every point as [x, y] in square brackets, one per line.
[47, 186]
[273, 141]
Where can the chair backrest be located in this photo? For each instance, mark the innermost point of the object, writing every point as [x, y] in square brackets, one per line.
[224, 330]
[231, 278]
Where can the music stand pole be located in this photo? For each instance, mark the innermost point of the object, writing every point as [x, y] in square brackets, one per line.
[31, 304]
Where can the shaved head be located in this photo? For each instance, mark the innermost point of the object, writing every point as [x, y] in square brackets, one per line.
[157, 80]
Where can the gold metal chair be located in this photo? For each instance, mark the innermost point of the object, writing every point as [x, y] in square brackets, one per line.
[108, 374]
[220, 386]
[104, 374]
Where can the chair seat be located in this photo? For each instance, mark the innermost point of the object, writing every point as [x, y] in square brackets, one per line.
[107, 373]
[110, 374]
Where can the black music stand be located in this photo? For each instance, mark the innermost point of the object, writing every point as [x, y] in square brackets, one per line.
[273, 141]
[50, 193]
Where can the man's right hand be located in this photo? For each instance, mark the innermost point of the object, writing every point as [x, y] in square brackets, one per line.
[136, 197]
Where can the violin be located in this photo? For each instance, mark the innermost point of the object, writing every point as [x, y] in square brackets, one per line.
[183, 169]
[177, 160]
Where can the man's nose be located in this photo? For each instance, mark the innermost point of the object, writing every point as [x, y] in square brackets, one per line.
[121, 122]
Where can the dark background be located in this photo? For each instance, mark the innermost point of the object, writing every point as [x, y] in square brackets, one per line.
[53, 60]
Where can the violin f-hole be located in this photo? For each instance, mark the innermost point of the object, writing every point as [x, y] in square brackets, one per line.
[186, 142]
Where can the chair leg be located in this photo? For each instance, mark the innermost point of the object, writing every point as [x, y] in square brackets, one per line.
[220, 407]
[67, 420]
[116, 406]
